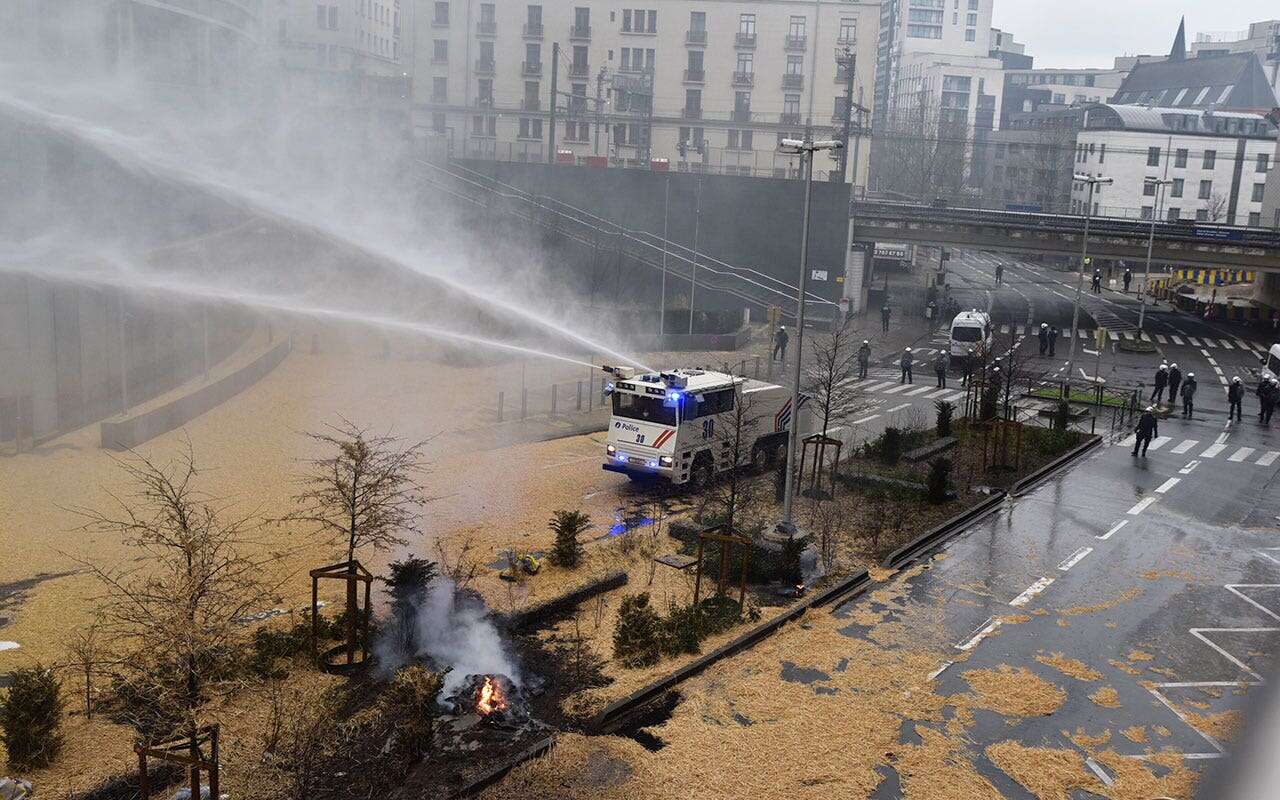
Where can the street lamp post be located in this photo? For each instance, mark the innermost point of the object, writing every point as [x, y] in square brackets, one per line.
[1151, 243]
[1093, 183]
[805, 149]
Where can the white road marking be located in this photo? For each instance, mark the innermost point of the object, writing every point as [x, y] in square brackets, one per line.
[1185, 446]
[915, 392]
[940, 669]
[1176, 339]
[1161, 339]
[1167, 485]
[1075, 558]
[1128, 441]
[1189, 468]
[1213, 450]
[902, 387]
[1242, 454]
[1160, 441]
[990, 625]
[875, 387]
[1269, 458]
[1226, 345]
[1099, 771]
[1235, 588]
[865, 419]
[9, 646]
[1141, 506]
[1114, 530]
[1182, 716]
[1031, 591]
[896, 409]
[1209, 342]
[938, 394]
[1199, 633]
[1193, 341]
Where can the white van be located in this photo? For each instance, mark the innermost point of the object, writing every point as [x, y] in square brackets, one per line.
[1271, 364]
[970, 330]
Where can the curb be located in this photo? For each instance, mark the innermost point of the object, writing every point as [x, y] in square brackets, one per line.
[926, 542]
[538, 748]
[612, 714]
[1033, 480]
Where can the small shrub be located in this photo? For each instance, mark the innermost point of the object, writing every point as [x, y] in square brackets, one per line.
[407, 585]
[682, 630]
[409, 707]
[635, 638]
[31, 718]
[939, 480]
[890, 451]
[946, 411]
[1061, 415]
[568, 526]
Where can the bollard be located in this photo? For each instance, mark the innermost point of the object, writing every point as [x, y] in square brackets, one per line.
[501, 398]
[524, 403]
[578, 407]
[554, 387]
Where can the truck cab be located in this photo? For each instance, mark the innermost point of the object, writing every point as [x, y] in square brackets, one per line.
[679, 426]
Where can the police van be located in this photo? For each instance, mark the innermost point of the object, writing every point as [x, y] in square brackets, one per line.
[1271, 363]
[682, 426]
[971, 330]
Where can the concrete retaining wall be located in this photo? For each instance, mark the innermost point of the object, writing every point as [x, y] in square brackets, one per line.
[134, 430]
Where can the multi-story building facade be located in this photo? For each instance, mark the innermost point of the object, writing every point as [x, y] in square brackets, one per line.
[1261, 39]
[1031, 159]
[1217, 163]
[705, 85]
[1029, 90]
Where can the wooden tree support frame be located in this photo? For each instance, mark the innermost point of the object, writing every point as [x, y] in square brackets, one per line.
[821, 446]
[352, 573]
[187, 751]
[728, 539]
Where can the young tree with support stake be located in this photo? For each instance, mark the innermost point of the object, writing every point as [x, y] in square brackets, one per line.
[364, 495]
[830, 379]
[733, 446]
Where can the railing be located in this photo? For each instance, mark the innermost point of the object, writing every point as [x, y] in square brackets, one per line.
[792, 80]
[531, 103]
[695, 76]
[846, 41]
[533, 30]
[741, 115]
[484, 67]
[789, 119]
[797, 42]
[744, 78]
[691, 113]
[531, 69]
[579, 70]
[579, 31]
[486, 28]
[695, 37]
[484, 101]
[744, 40]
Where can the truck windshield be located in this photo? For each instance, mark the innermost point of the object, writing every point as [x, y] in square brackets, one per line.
[646, 409]
[963, 333]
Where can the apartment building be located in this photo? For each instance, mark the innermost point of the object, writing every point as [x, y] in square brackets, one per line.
[703, 85]
[1262, 39]
[1217, 162]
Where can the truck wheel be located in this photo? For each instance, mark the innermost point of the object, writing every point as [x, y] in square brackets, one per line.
[702, 472]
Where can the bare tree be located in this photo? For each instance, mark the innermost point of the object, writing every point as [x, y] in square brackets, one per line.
[1216, 207]
[733, 438]
[364, 495]
[173, 614]
[829, 379]
[88, 657]
[922, 152]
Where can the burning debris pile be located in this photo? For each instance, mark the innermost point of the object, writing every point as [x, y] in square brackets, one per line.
[486, 708]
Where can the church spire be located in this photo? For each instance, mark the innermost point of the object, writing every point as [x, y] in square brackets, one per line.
[1179, 51]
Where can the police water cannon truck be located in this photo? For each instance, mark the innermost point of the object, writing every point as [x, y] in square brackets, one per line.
[682, 426]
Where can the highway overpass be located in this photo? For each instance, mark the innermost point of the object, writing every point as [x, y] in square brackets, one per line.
[1191, 243]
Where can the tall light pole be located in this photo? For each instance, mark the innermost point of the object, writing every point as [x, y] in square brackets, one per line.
[1093, 183]
[1151, 243]
[805, 149]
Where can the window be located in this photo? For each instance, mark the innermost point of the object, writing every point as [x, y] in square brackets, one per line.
[1153, 156]
[440, 51]
[746, 63]
[1206, 190]
[1180, 158]
[1202, 215]
[970, 35]
[439, 90]
[747, 24]
[442, 14]
[797, 27]
[739, 140]
[1255, 219]
[582, 19]
[484, 91]
[652, 27]
[1177, 188]
[626, 19]
[795, 65]
[482, 125]
[1175, 214]
[1149, 187]
[1147, 212]
[1264, 162]
[742, 102]
[695, 63]
[532, 56]
[534, 20]
[1102, 152]
[693, 99]
[1258, 190]
[530, 128]
[1210, 159]
[487, 15]
[438, 122]
[698, 21]
[848, 30]
[646, 409]
[791, 105]
[971, 20]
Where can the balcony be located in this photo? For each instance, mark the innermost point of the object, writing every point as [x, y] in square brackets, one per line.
[484, 67]
[531, 69]
[695, 37]
[792, 80]
[440, 22]
[531, 103]
[533, 30]
[695, 76]
[744, 78]
[741, 115]
[489, 28]
[579, 70]
[691, 113]
[484, 101]
[789, 118]
[439, 99]
[579, 32]
[745, 40]
[795, 43]
[842, 75]
[846, 41]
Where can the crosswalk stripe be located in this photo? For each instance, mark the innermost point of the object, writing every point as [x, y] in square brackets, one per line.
[1242, 454]
[1226, 344]
[1193, 341]
[954, 397]
[1129, 441]
[938, 394]
[876, 387]
[1269, 458]
[1176, 339]
[1185, 446]
[1159, 441]
[915, 392]
[1209, 343]
[1161, 339]
[1213, 450]
[902, 387]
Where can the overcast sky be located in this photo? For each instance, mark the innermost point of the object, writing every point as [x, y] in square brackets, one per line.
[1090, 33]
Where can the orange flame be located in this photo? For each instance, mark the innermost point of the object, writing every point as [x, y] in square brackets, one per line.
[491, 698]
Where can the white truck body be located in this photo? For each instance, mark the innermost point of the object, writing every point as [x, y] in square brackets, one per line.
[1271, 365]
[678, 426]
[971, 330]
